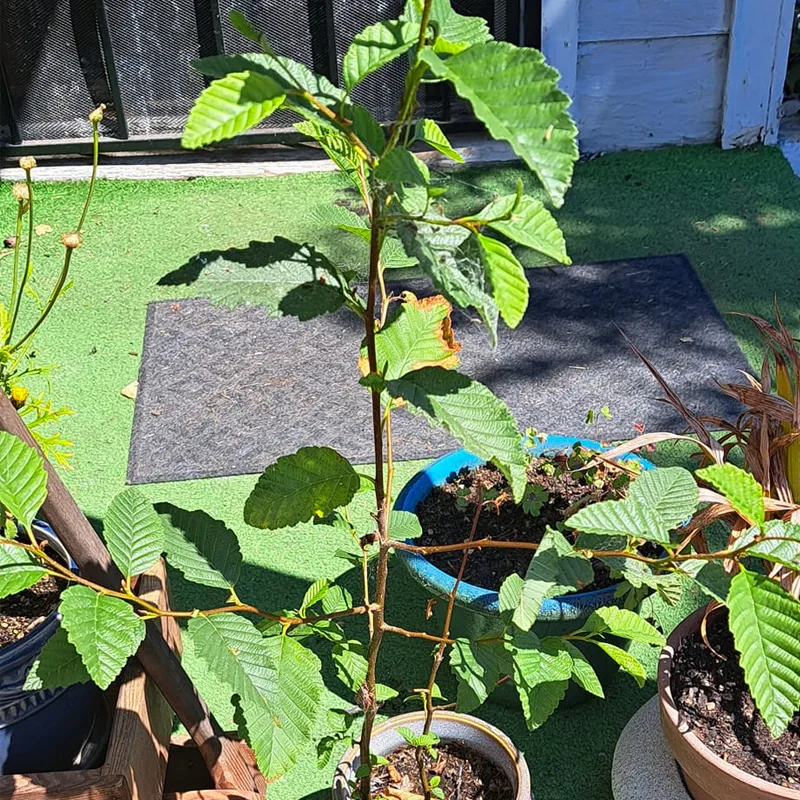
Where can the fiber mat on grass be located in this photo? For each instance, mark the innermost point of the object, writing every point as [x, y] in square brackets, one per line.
[226, 392]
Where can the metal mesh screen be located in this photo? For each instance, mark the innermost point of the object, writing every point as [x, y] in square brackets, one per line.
[53, 68]
[153, 45]
[60, 58]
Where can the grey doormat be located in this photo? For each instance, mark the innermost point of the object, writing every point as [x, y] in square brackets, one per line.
[226, 392]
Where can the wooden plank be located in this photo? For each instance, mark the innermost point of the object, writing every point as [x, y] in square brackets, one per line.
[754, 38]
[650, 93]
[782, 44]
[139, 742]
[81, 785]
[560, 42]
[603, 21]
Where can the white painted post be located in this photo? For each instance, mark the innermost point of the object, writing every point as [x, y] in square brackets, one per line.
[758, 50]
[560, 43]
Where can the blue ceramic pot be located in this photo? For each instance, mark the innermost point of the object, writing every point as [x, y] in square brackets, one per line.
[477, 611]
[54, 729]
[475, 734]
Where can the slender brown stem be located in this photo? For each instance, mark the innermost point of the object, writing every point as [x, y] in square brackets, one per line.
[442, 649]
[429, 637]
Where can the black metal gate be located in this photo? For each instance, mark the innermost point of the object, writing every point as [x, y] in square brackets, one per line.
[60, 58]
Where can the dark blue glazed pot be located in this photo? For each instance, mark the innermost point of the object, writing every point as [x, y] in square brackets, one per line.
[54, 729]
[477, 611]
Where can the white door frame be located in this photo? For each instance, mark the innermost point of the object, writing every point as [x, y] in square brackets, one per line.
[758, 51]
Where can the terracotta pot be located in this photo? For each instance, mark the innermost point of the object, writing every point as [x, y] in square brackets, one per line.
[474, 733]
[707, 776]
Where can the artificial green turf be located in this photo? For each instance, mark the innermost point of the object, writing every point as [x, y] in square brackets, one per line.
[734, 214]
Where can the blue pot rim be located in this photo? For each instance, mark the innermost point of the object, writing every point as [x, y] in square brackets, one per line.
[476, 598]
[35, 638]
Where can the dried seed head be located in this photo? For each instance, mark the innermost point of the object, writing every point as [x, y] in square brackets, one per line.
[96, 116]
[20, 191]
[71, 240]
[19, 394]
[27, 163]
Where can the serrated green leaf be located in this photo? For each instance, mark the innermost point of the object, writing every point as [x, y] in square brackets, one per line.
[375, 46]
[350, 658]
[429, 132]
[626, 661]
[314, 481]
[455, 32]
[507, 276]
[404, 525]
[23, 480]
[451, 257]
[337, 598]
[393, 255]
[285, 277]
[620, 518]
[516, 95]
[583, 672]
[344, 219]
[367, 128]
[133, 532]
[230, 106]
[710, 576]
[294, 77]
[478, 666]
[765, 622]
[670, 492]
[740, 488]
[783, 549]
[275, 681]
[240, 23]
[314, 594]
[530, 224]
[337, 147]
[624, 624]
[58, 664]
[469, 411]
[542, 669]
[401, 166]
[18, 569]
[104, 630]
[418, 333]
[202, 548]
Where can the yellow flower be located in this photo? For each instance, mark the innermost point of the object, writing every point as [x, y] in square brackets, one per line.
[20, 191]
[19, 394]
[27, 163]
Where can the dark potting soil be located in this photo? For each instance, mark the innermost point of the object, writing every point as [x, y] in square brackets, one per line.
[465, 775]
[445, 519]
[22, 612]
[711, 694]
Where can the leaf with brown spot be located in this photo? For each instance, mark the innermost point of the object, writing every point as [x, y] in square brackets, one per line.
[418, 333]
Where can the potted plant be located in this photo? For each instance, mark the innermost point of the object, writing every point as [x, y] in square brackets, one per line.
[563, 476]
[729, 676]
[408, 360]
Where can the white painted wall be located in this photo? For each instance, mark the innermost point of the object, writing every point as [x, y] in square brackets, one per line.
[647, 73]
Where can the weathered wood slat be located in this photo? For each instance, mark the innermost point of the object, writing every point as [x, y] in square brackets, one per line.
[560, 42]
[641, 94]
[601, 20]
[756, 70]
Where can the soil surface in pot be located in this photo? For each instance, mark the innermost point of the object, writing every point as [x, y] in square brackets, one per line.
[446, 516]
[22, 612]
[711, 694]
[465, 775]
